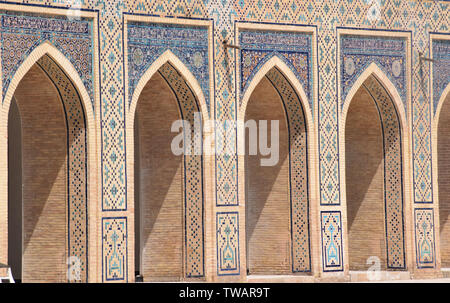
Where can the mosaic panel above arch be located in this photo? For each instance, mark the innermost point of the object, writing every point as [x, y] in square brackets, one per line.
[148, 41]
[293, 48]
[441, 69]
[21, 33]
[358, 52]
[77, 180]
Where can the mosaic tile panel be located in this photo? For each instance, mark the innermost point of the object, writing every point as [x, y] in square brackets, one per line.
[393, 173]
[357, 53]
[258, 47]
[147, 42]
[193, 176]
[298, 171]
[115, 249]
[227, 231]
[113, 149]
[441, 69]
[331, 231]
[425, 239]
[112, 107]
[21, 34]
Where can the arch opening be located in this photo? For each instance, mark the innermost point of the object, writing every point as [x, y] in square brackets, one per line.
[277, 195]
[168, 187]
[47, 178]
[374, 179]
[443, 146]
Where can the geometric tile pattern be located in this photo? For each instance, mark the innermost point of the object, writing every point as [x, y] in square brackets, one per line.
[393, 173]
[224, 13]
[424, 230]
[115, 249]
[298, 171]
[258, 47]
[21, 34]
[331, 231]
[227, 232]
[112, 107]
[441, 69]
[357, 53]
[77, 164]
[193, 175]
[149, 41]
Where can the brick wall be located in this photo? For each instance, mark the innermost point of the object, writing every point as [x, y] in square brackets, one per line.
[364, 182]
[160, 184]
[268, 205]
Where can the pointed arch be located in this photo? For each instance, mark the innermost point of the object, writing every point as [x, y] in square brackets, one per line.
[374, 70]
[49, 49]
[383, 93]
[276, 62]
[169, 57]
[196, 172]
[69, 71]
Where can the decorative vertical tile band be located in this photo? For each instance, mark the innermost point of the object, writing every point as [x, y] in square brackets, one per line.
[227, 233]
[115, 249]
[425, 239]
[112, 107]
[22, 33]
[332, 253]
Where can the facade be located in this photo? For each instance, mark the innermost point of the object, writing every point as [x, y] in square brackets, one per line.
[91, 192]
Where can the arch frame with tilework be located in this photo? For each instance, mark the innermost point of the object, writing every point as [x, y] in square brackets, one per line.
[168, 58]
[306, 263]
[373, 73]
[68, 71]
